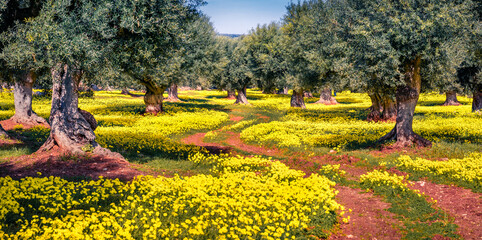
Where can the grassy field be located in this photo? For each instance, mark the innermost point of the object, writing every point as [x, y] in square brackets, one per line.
[284, 176]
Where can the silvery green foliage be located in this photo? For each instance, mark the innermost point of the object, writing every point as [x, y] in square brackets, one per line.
[387, 34]
[101, 37]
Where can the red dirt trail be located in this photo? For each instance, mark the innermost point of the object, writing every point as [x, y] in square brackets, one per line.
[461, 203]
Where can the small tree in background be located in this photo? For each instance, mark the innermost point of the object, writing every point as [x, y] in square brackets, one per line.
[23, 77]
[221, 58]
[316, 53]
[148, 43]
[265, 47]
[195, 59]
[240, 71]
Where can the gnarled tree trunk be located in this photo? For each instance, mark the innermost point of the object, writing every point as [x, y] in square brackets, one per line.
[172, 92]
[407, 97]
[231, 94]
[477, 101]
[326, 98]
[297, 99]
[72, 129]
[376, 108]
[451, 99]
[389, 112]
[241, 98]
[307, 94]
[153, 97]
[22, 94]
[283, 91]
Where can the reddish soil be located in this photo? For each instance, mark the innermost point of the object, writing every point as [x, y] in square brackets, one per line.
[236, 118]
[9, 142]
[265, 118]
[462, 204]
[369, 218]
[9, 125]
[235, 142]
[52, 163]
[213, 148]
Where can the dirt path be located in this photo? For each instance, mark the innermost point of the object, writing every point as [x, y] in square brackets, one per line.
[369, 218]
[462, 204]
[54, 164]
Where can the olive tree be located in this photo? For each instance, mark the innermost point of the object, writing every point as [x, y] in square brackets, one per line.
[148, 43]
[23, 77]
[409, 33]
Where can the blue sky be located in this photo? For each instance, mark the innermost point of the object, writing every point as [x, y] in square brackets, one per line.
[239, 16]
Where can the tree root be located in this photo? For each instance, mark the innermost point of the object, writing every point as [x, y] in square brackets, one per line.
[406, 141]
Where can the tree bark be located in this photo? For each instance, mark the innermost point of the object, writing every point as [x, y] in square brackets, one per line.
[307, 94]
[241, 98]
[297, 99]
[375, 110]
[269, 90]
[477, 101]
[389, 112]
[283, 91]
[72, 129]
[22, 94]
[172, 92]
[451, 99]
[231, 94]
[407, 97]
[326, 98]
[153, 97]
[125, 92]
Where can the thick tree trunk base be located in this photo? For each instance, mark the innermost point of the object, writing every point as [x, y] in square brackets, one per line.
[389, 113]
[308, 94]
[72, 129]
[331, 101]
[32, 120]
[383, 109]
[241, 98]
[22, 93]
[172, 100]
[407, 140]
[173, 95]
[451, 99]
[283, 91]
[231, 94]
[374, 114]
[326, 98]
[376, 108]
[297, 100]
[477, 101]
[153, 101]
[402, 133]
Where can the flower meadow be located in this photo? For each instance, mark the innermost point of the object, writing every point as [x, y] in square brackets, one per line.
[466, 172]
[242, 195]
[272, 202]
